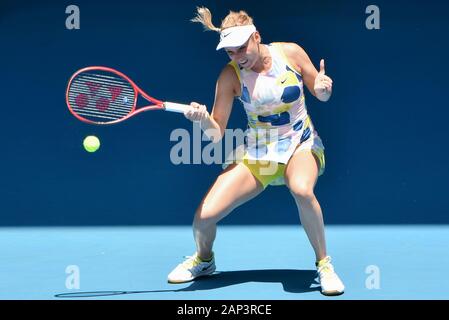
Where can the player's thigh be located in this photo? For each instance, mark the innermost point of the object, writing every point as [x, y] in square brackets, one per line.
[233, 187]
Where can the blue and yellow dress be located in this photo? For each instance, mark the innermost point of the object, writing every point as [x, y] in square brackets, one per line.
[278, 122]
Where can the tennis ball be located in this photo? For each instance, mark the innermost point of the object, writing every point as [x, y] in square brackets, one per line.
[91, 143]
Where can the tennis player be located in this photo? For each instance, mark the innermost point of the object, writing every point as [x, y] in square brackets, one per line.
[269, 81]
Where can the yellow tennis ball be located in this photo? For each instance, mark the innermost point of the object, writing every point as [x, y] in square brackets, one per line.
[91, 143]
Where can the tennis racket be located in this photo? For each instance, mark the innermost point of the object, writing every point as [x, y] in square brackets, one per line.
[101, 95]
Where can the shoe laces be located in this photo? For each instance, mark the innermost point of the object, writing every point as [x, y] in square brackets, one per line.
[326, 270]
[191, 261]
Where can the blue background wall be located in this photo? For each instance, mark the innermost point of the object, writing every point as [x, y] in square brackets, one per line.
[384, 129]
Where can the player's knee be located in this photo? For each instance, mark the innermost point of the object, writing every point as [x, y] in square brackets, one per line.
[302, 190]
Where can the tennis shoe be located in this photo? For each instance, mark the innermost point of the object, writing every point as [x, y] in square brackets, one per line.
[331, 285]
[192, 268]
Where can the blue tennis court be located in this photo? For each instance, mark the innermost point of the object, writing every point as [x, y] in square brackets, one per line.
[112, 224]
[253, 262]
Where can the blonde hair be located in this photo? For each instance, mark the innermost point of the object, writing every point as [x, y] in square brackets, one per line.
[233, 19]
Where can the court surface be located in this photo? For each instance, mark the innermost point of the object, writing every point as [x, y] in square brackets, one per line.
[253, 262]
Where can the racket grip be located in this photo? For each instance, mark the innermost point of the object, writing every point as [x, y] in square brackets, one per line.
[176, 107]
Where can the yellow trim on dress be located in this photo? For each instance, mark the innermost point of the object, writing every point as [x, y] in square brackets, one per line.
[237, 70]
[278, 46]
[257, 168]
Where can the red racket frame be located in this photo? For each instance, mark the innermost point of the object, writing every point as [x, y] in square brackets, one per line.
[158, 105]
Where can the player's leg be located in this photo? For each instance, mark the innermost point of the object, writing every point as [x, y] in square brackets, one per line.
[301, 174]
[233, 187]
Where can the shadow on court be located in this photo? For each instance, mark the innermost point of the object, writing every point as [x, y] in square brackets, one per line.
[293, 281]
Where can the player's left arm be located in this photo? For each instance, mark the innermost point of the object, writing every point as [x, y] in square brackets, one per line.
[318, 83]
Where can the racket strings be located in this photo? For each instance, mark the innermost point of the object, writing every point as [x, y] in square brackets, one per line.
[101, 96]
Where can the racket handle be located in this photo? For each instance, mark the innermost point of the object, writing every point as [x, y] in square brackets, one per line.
[176, 107]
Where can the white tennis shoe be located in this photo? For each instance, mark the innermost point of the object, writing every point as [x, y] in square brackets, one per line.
[331, 285]
[192, 268]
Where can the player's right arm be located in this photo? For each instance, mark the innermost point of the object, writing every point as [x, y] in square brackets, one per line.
[214, 125]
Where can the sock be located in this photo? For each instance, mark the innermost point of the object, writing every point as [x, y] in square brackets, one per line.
[207, 260]
[322, 261]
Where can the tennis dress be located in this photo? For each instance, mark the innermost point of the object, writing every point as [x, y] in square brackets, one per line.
[278, 121]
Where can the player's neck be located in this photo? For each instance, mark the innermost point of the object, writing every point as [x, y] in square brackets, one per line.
[263, 64]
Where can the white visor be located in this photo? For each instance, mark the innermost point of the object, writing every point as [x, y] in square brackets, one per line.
[235, 36]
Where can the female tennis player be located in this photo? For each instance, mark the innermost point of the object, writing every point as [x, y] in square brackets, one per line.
[268, 80]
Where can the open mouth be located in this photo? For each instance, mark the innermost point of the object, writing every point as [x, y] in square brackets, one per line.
[242, 63]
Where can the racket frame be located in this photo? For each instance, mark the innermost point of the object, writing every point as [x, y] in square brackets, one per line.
[157, 104]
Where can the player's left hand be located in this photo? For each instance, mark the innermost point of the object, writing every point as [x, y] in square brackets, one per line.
[323, 84]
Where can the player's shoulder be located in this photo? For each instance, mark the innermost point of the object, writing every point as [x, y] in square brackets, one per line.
[228, 68]
[229, 79]
[290, 49]
[230, 72]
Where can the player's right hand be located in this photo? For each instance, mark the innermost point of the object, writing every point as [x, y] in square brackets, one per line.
[197, 113]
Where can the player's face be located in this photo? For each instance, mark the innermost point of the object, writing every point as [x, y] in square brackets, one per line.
[247, 54]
